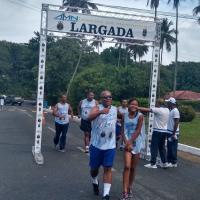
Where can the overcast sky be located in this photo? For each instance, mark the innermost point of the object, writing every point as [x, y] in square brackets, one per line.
[20, 18]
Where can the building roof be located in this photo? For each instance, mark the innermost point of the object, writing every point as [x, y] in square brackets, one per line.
[184, 95]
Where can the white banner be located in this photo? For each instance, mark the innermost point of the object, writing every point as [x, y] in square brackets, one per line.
[71, 22]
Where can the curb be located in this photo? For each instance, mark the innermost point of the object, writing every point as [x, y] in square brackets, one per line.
[189, 149]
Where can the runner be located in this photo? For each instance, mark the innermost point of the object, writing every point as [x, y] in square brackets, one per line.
[103, 142]
[161, 115]
[84, 109]
[121, 111]
[134, 139]
[61, 111]
[2, 102]
[173, 132]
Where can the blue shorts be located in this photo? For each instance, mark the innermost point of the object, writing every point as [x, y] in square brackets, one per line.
[100, 157]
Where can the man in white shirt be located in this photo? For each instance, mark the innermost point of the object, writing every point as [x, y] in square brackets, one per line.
[161, 115]
[103, 142]
[173, 132]
[84, 108]
[60, 112]
[1, 102]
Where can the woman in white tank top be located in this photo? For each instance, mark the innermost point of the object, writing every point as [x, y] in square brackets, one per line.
[134, 139]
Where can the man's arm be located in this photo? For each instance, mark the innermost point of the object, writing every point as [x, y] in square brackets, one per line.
[71, 112]
[95, 112]
[55, 111]
[176, 122]
[143, 109]
[79, 108]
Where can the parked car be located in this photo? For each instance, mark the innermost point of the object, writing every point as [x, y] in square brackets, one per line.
[14, 100]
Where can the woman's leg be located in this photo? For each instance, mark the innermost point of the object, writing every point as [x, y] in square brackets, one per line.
[126, 173]
[134, 162]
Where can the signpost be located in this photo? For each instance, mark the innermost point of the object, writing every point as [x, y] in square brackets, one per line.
[128, 29]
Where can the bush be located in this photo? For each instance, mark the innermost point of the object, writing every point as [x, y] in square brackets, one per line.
[195, 104]
[187, 113]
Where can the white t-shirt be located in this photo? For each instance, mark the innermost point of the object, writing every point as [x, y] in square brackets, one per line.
[161, 116]
[122, 110]
[103, 135]
[1, 102]
[174, 114]
[86, 107]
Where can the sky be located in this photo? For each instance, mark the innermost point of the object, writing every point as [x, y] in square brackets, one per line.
[20, 18]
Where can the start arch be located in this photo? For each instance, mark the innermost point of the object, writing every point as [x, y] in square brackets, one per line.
[126, 26]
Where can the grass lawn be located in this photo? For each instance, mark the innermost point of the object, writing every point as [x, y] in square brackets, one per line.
[190, 132]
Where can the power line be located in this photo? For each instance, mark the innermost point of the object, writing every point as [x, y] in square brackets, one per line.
[24, 5]
[29, 4]
[162, 13]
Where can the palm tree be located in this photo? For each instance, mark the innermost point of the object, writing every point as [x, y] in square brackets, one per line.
[138, 51]
[167, 38]
[196, 11]
[176, 4]
[80, 4]
[154, 5]
[97, 43]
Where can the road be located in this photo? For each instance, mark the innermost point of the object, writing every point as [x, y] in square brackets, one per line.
[65, 176]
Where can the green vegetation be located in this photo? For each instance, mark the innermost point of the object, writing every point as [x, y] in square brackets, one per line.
[19, 66]
[190, 132]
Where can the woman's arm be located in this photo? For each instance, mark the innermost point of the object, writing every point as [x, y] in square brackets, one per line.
[138, 129]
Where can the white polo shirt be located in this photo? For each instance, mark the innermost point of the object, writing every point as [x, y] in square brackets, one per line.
[161, 116]
[174, 114]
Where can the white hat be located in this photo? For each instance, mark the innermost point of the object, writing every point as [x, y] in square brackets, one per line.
[171, 100]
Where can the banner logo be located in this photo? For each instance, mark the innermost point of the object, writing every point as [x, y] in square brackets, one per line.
[70, 18]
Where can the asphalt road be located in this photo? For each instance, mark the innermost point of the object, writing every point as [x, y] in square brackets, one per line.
[65, 176]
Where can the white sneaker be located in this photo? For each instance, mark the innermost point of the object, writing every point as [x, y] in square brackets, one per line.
[151, 166]
[172, 165]
[87, 149]
[163, 165]
[62, 150]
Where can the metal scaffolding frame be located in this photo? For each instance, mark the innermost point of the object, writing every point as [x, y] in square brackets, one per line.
[104, 12]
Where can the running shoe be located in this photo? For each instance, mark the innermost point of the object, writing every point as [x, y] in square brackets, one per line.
[107, 197]
[172, 165]
[62, 150]
[125, 196]
[130, 194]
[87, 149]
[151, 166]
[163, 165]
[95, 189]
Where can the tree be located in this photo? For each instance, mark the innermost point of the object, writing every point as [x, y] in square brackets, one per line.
[154, 5]
[167, 38]
[81, 4]
[176, 4]
[138, 51]
[97, 43]
[196, 11]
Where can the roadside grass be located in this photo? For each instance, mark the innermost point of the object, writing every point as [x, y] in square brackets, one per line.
[190, 132]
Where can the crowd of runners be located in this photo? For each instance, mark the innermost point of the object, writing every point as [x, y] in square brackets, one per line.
[107, 127]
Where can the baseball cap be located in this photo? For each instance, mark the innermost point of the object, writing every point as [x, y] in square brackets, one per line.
[171, 100]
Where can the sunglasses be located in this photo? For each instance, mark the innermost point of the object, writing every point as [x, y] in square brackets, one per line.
[107, 97]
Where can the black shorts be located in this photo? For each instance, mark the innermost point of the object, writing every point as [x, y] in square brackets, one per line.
[85, 126]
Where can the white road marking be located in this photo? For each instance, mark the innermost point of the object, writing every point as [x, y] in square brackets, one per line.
[51, 129]
[28, 114]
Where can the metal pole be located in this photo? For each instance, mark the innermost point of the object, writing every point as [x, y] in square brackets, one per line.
[153, 83]
[36, 149]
